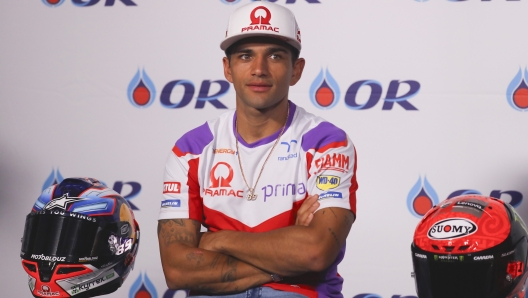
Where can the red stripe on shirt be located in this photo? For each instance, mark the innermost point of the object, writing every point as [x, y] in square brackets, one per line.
[353, 187]
[216, 220]
[195, 200]
[333, 145]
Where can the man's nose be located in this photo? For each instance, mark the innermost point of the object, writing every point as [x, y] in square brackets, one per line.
[260, 66]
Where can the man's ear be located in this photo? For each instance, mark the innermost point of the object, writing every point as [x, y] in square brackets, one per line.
[227, 70]
[298, 67]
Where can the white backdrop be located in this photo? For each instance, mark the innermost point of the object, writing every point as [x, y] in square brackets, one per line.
[65, 72]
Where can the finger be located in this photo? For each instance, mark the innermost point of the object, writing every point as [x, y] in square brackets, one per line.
[314, 207]
[307, 203]
[305, 214]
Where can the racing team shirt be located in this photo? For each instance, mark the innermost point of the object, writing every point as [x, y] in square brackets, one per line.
[203, 180]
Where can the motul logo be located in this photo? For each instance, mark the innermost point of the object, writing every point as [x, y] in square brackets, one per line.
[452, 228]
[171, 187]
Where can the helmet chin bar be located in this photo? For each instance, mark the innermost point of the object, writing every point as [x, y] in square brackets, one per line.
[46, 270]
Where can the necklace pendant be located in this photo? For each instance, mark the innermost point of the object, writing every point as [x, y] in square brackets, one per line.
[251, 196]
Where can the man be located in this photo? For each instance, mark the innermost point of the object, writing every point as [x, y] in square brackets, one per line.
[274, 185]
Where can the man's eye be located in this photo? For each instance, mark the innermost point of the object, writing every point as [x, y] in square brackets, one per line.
[275, 56]
[244, 56]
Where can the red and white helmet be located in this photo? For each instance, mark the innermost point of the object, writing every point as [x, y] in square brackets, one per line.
[470, 246]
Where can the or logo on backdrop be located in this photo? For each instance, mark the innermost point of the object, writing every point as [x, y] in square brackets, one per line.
[230, 2]
[143, 288]
[141, 92]
[517, 93]
[378, 296]
[513, 197]
[55, 177]
[53, 3]
[324, 91]
[128, 190]
[421, 198]
[84, 3]
[325, 94]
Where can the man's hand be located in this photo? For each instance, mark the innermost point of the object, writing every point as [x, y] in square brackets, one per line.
[305, 214]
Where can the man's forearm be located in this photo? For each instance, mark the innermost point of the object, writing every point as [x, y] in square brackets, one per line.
[212, 272]
[291, 250]
[188, 267]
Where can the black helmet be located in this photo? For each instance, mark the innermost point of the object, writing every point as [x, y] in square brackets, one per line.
[80, 240]
[472, 247]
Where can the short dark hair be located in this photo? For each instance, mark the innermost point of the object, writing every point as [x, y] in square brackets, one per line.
[294, 51]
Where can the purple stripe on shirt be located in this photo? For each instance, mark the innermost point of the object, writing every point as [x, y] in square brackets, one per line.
[322, 135]
[333, 283]
[194, 141]
[271, 138]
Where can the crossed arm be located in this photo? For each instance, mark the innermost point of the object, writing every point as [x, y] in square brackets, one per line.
[187, 267]
[231, 261]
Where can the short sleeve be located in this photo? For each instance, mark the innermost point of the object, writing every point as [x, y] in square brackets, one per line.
[181, 197]
[331, 164]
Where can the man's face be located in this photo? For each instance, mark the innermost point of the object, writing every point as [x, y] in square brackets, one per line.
[262, 73]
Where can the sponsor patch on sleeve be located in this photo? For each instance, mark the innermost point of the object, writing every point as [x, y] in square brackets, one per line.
[326, 182]
[171, 187]
[171, 203]
[330, 195]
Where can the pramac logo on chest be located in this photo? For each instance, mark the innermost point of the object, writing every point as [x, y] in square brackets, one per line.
[452, 228]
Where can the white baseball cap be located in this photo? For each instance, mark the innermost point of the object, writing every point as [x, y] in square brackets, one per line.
[262, 18]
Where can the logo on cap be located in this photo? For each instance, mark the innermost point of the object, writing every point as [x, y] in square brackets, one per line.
[260, 20]
[255, 20]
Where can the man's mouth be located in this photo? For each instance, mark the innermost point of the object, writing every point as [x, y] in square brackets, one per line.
[259, 87]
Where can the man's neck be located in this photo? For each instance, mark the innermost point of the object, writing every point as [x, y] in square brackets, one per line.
[254, 125]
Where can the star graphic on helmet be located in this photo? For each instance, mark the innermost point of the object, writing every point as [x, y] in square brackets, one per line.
[62, 202]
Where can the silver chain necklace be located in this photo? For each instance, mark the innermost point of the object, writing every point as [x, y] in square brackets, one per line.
[251, 196]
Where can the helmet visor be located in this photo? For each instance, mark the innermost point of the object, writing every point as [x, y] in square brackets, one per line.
[61, 236]
[453, 279]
